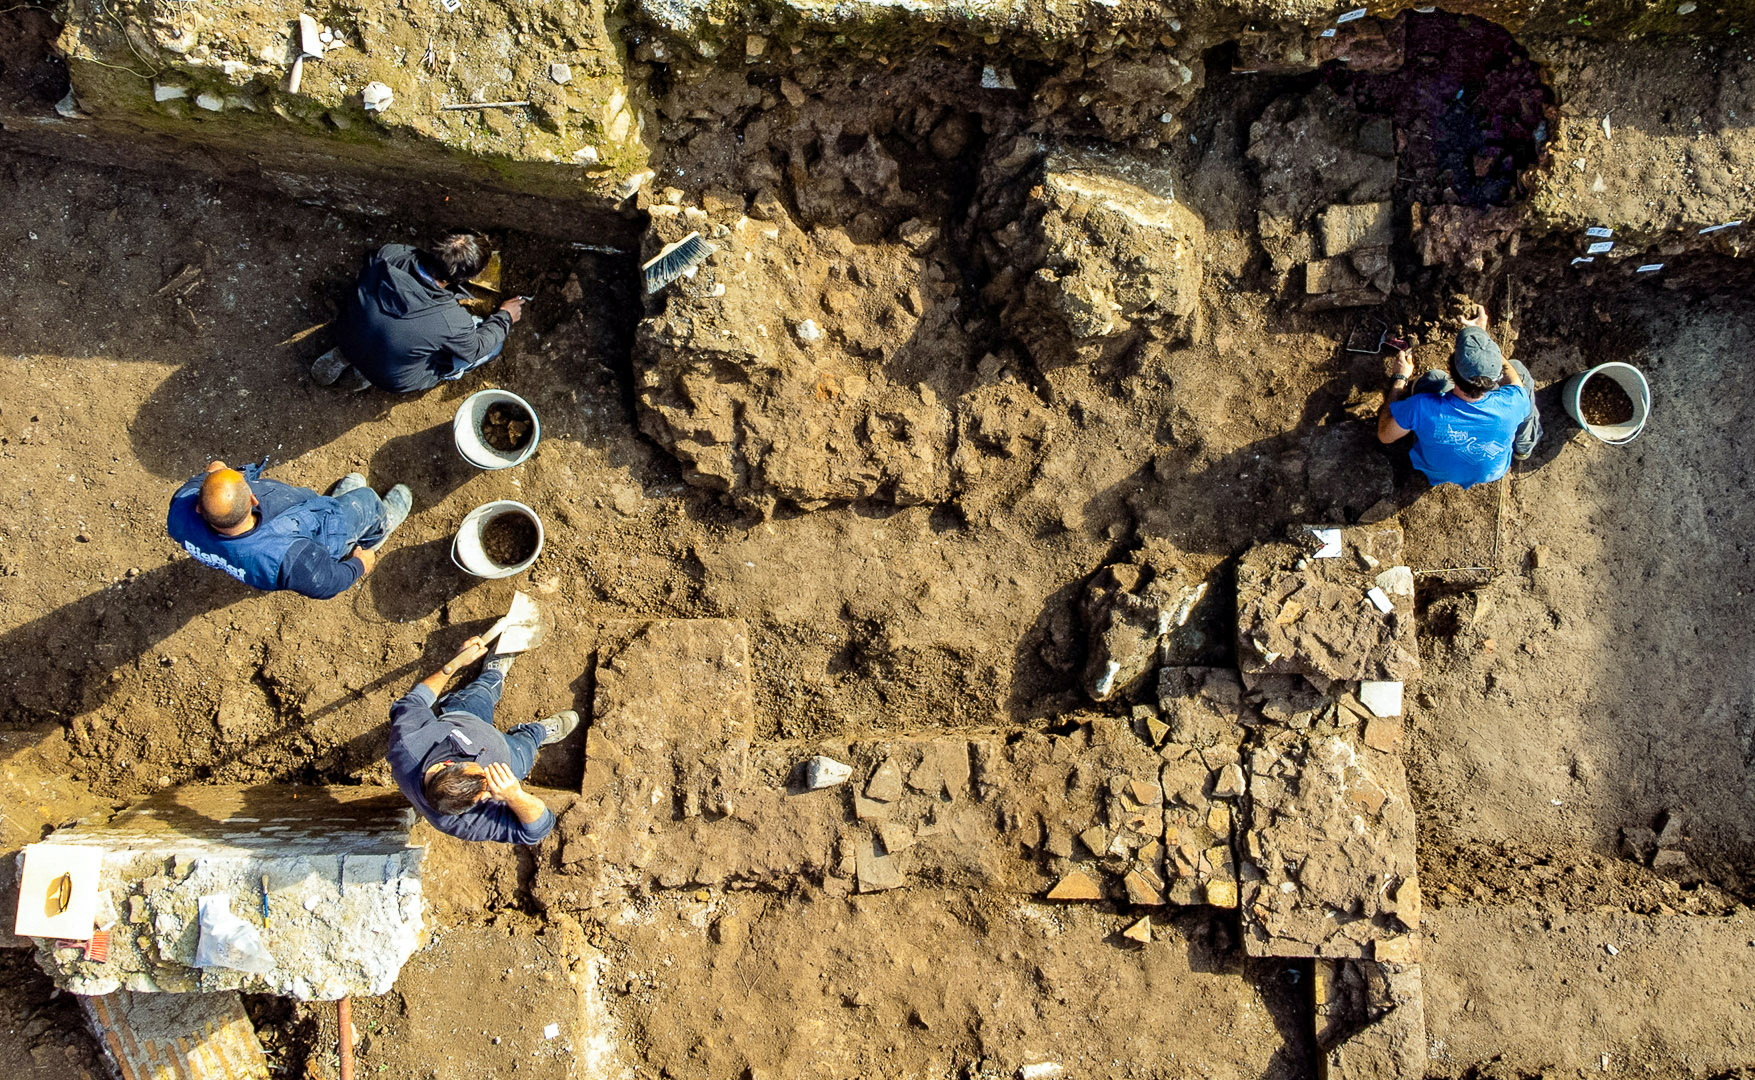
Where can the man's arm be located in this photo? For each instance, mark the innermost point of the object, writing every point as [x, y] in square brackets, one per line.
[1395, 388]
[470, 343]
[310, 570]
[504, 787]
[473, 649]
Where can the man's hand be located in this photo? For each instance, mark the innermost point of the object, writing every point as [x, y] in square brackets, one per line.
[368, 558]
[473, 649]
[215, 465]
[503, 787]
[514, 307]
[501, 784]
[1401, 365]
[1476, 317]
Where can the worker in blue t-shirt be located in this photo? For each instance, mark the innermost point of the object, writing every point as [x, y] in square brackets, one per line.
[1467, 423]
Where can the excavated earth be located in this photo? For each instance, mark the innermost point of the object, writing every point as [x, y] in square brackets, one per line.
[1002, 296]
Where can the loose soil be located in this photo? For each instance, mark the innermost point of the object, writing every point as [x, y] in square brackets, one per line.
[1560, 701]
[1604, 403]
[509, 538]
[506, 428]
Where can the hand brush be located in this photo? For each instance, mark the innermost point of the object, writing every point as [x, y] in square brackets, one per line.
[674, 261]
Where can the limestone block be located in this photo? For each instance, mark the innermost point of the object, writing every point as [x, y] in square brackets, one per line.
[1370, 1021]
[1347, 228]
[1299, 615]
[1329, 849]
[343, 887]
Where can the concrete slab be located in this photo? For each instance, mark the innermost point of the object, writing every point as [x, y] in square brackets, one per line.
[344, 902]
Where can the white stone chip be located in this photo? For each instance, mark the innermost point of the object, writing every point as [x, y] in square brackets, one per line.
[377, 97]
[822, 772]
[1331, 543]
[552, 1031]
[1397, 581]
[1042, 1070]
[1382, 698]
[1380, 600]
[209, 101]
[993, 78]
[168, 92]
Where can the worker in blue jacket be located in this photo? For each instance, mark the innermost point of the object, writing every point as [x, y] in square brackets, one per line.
[271, 535]
[456, 768]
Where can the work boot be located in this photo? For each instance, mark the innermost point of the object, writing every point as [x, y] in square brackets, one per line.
[398, 501]
[328, 369]
[559, 726]
[499, 663]
[351, 482]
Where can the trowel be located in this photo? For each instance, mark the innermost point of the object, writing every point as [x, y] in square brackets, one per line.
[310, 46]
[520, 629]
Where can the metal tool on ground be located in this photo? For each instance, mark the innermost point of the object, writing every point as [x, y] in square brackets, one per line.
[469, 105]
[264, 899]
[1368, 337]
[519, 629]
[310, 48]
[674, 261]
[600, 249]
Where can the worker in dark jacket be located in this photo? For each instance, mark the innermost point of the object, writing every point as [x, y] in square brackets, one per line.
[404, 327]
[271, 535]
[458, 770]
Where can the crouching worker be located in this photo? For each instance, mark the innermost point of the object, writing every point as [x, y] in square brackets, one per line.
[1468, 423]
[271, 535]
[458, 770]
[404, 327]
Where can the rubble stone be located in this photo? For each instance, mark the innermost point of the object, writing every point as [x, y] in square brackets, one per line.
[1303, 616]
[1329, 828]
[1076, 885]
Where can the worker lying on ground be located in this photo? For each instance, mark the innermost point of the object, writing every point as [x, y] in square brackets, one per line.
[404, 327]
[457, 769]
[1469, 422]
[271, 535]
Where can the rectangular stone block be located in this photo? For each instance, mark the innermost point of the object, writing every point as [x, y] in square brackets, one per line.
[196, 1036]
[1329, 867]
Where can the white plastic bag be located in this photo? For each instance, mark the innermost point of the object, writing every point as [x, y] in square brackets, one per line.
[228, 941]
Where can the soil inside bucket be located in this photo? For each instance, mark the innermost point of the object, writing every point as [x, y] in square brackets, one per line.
[506, 427]
[509, 538]
[1603, 403]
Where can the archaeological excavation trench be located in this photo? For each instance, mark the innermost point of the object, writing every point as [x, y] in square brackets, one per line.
[1014, 450]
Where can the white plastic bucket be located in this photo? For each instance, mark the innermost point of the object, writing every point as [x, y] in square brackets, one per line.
[1630, 379]
[466, 549]
[466, 430]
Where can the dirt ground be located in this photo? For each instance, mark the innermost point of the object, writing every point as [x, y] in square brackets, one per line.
[1582, 623]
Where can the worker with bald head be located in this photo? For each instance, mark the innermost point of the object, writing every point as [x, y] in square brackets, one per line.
[271, 535]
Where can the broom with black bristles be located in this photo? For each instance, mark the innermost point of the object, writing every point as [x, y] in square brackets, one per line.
[674, 261]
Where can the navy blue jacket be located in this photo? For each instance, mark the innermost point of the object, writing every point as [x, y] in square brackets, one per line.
[419, 740]
[404, 333]
[301, 540]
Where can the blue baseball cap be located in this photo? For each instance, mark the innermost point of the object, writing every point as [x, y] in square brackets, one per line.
[1476, 357]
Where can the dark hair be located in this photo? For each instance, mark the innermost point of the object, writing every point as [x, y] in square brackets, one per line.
[452, 791]
[1473, 386]
[457, 257]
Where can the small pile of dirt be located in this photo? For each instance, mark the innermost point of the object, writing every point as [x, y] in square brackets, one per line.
[507, 427]
[509, 538]
[1604, 403]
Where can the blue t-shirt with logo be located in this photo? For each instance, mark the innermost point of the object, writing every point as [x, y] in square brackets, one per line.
[1462, 442]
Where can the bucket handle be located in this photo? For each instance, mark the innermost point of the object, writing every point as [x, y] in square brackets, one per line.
[453, 554]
